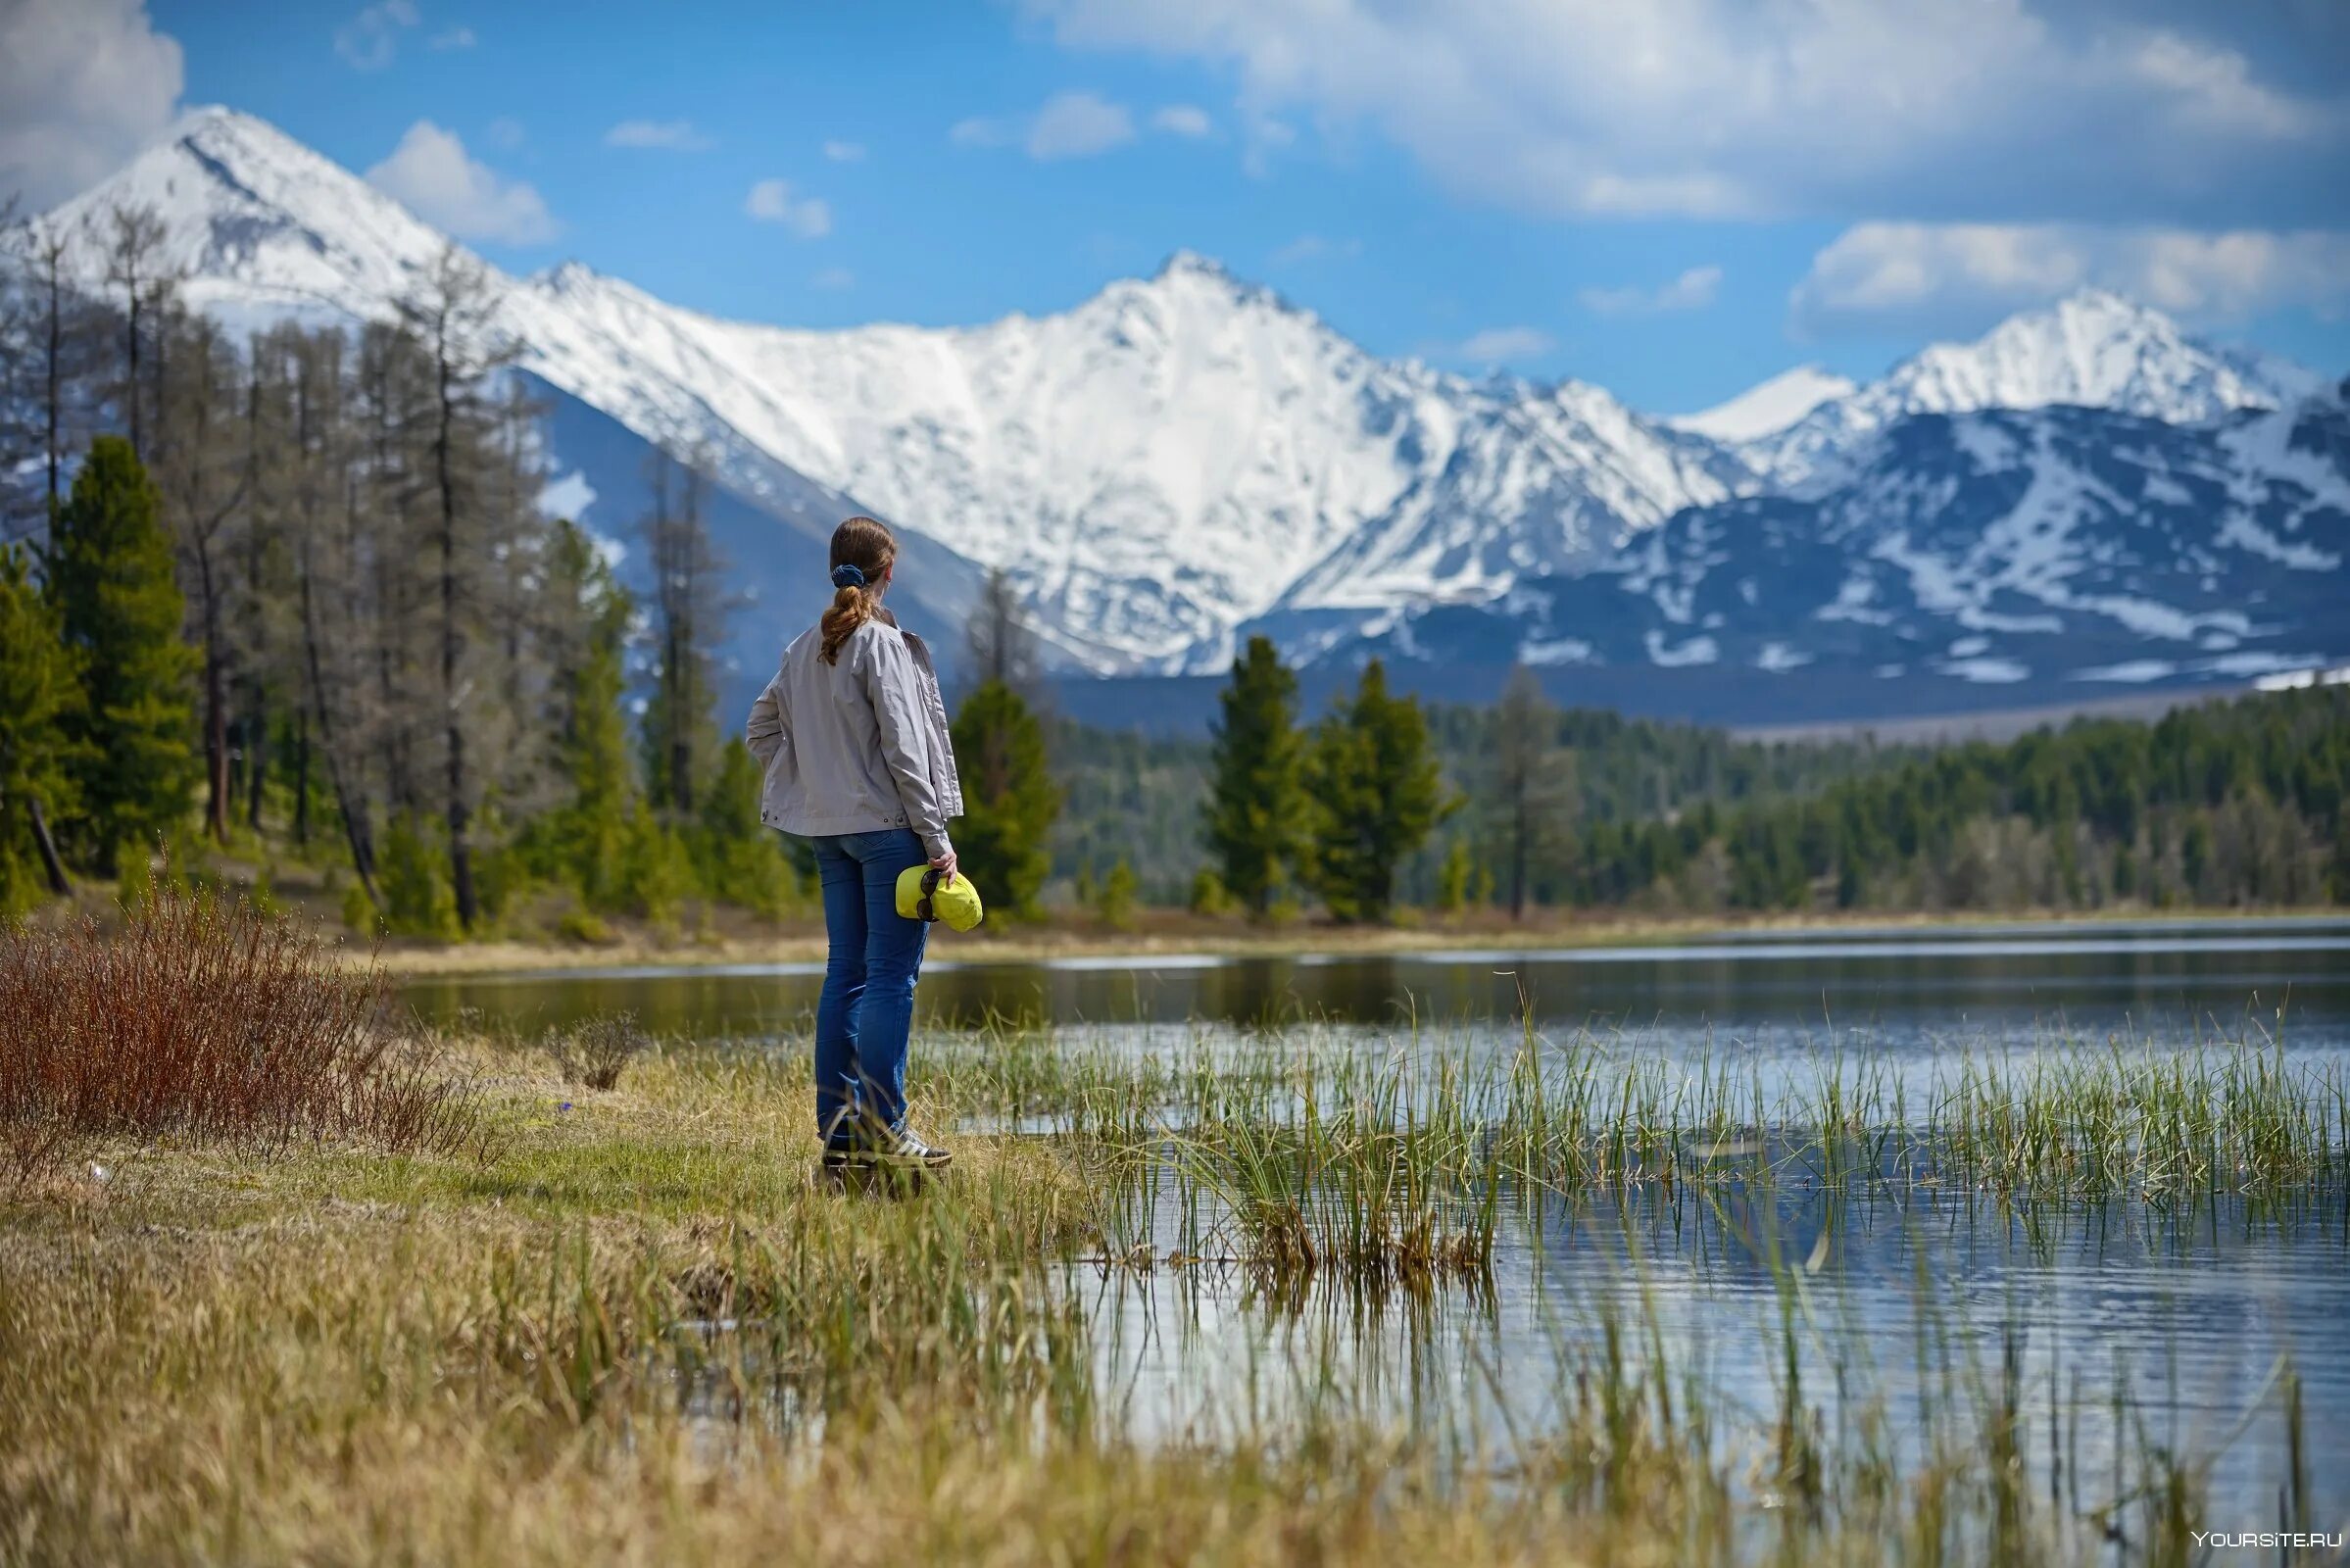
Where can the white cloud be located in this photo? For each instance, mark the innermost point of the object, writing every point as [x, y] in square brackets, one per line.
[370, 40]
[668, 135]
[83, 85]
[1187, 120]
[845, 152]
[772, 202]
[1692, 290]
[833, 279]
[1078, 124]
[1930, 277]
[1316, 248]
[1069, 125]
[2002, 109]
[982, 130]
[506, 133]
[453, 38]
[431, 172]
[1498, 345]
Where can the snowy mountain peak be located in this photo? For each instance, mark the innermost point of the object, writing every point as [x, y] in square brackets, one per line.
[1191, 263]
[2091, 349]
[256, 224]
[1768, 407]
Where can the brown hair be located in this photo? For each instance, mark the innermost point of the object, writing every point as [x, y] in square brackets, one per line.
[867, 545]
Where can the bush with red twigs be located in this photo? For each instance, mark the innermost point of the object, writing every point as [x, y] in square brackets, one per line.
[204, 1020]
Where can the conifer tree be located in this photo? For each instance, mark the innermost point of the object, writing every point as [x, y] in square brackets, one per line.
[1377, 792]
[587, 835]
[110, 577]
[37, 692]
[1531, 805]
[1009, 800]
[1256, 815]
[740, 860]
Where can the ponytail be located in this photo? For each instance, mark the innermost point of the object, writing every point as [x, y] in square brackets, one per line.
[863, 552]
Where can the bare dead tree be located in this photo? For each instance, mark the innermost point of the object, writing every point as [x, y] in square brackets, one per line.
[451, 313]
[132, 237]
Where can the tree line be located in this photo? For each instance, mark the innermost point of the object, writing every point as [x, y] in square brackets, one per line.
[302, 584]
[1520, 806]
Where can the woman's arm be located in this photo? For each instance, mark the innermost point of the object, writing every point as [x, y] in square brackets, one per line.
[889, 681]
[766, 731]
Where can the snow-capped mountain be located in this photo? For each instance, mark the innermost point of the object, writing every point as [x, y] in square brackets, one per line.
[1769, 407]
[1185, 459]
[1150, 466]
[2059, 550]
[1154, 466]
[1538, 481]
[2091, 349]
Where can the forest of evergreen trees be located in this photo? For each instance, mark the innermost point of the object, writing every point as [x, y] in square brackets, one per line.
[294, 598]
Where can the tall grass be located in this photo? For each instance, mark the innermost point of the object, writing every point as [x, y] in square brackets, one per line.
[631, 1327]
[204, 1020]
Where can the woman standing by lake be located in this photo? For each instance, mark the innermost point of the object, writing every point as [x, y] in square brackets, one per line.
[852, 736]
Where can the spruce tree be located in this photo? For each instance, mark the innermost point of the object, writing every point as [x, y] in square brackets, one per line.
[1377, 792]
[38, 695]
[587, 835]
[738, 859]
[110, 577]
[1009, 800]
[1255, 813]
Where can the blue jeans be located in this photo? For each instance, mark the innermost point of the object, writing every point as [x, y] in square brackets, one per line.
[866, 1012]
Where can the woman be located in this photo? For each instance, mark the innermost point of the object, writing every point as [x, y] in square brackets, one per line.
[852, 737]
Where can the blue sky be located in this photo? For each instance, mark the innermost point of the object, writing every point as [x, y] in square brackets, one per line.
[1673, 199]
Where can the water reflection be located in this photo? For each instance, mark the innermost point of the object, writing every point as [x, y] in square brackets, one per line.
[1906, 989]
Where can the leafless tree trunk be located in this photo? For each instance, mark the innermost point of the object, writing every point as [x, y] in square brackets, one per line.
[134, 234]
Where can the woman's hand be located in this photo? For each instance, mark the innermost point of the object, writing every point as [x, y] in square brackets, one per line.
[945, 867]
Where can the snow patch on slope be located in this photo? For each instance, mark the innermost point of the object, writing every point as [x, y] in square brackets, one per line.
[1768, 407]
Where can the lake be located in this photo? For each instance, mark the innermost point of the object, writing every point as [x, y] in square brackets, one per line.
[2116, 1327]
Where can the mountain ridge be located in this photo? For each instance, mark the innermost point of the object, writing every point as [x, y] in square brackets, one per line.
[1178, 460]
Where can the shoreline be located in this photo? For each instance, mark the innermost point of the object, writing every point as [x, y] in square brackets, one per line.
[1218, 939]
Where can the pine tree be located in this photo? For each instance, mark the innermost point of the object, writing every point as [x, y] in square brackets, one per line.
[1256, 815]
[584, 838]
[1115, 900]
[739, 860]
[37, 694]
[1010, 800]
[1532, 803]
[1453, 878]
[110, 577]
[1377, 792]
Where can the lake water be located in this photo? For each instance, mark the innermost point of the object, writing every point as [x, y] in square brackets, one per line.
[2127, 1326]
[1905, 991]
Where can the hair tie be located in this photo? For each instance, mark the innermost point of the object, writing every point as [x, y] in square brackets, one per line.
[844, 576]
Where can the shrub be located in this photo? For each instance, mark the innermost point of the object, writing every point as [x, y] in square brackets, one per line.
[205, 1019]
[1209, 895]
[583, 927]
[596, 1052]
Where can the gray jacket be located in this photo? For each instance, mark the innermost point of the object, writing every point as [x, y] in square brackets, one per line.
[858, 745]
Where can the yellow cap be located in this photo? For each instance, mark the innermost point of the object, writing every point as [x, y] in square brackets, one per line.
[922, 897]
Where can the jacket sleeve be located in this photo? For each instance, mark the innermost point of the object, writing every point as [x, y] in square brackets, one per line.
[767, 731]
[889, 676]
